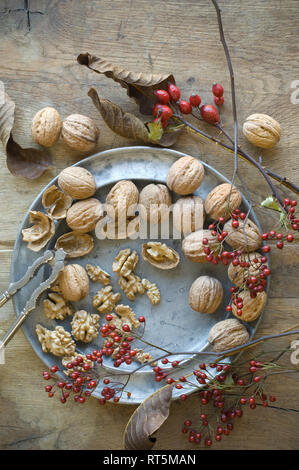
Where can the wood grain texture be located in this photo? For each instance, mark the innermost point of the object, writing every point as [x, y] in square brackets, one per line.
[39, 68]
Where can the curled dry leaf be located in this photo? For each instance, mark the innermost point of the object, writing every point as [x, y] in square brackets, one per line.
[29, 163]
[120, 122]
[147, 419]
[139, 85]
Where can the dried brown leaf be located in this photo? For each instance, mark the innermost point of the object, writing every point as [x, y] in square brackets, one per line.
[29, 163]
[139, 85]
[147, 419]
[120, 122]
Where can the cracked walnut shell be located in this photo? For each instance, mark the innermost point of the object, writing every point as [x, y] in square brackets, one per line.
[222, 201]
[238, 274]
[205, 294]
[77, 182]
[252, 307]
[74, 282]
[56, 307]
[57, 342]
[236, 238]
[125, 262]
[56, 202]
[185, 175]
[75, 244]
[193, 248]
[41, 232]
[262, 130]
[188, 214]
[105, 300]
[46, 126]
[160, 255]
[228, 334]
[85, 326]
[80, 132]
[154, 203]
[97, 274]
[83, 215]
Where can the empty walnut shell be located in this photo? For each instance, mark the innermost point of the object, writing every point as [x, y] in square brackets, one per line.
[74, 282]
[56, 202]
[262, 130]
[75, 244]
[154, 203]
[84, 215]
[122, 199]
[252, 307]
[222, 201]
[185, 175]
[188, 214]
[77, 182]
[205, 294]
[237, 274]
[228, 334]
[236, 239]
[160, 255]
[41, 232]
[193, 248]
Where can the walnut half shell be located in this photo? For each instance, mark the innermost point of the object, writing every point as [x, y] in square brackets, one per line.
[160, 255]
[56, 202]
[75, 244]
[41, 232]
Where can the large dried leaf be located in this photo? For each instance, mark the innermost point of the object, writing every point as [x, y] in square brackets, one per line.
[29, 163]
[139, 85]
[147, 419]
[122, 123]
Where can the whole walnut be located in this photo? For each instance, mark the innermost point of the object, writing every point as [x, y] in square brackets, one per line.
[193, 248]
[185, 175]
[237, 274]
[84, 215]
[77, 182]
[228, 334]
[262, 130]
[188, 214]
[236, 239]
[252, 307]
[80, 132]
[205, 294]
[122, 199]
[74, 282]
[154, 203]
[222, 201]
[46, 127]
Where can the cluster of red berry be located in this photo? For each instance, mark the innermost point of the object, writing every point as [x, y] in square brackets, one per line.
[215, 393]
[118, 341]
[81, 384]
[169, 101]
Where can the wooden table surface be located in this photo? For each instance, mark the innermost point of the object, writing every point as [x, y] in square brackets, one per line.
[38, 53]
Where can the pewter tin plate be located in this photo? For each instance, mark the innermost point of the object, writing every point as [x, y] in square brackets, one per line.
[172, 324]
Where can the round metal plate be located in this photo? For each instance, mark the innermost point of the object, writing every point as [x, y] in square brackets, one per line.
[172, 324]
